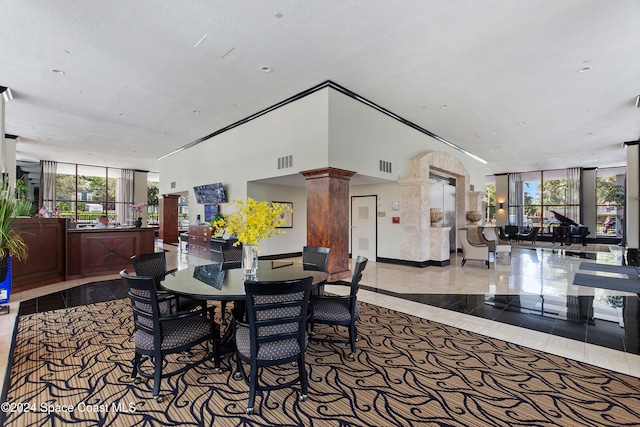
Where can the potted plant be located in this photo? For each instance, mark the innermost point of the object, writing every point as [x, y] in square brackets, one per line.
[136, 210]
[11, 244]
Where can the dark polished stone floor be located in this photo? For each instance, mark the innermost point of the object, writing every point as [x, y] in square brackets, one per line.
[80, 295]
[610, 322]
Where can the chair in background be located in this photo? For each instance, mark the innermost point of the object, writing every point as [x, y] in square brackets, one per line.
[316, 257]
[495, 243]
[158, 335]
[511, 232]
[471, 251]
[230, 257]
[339, 310]
[154, 265]
[531, 235]
[274, 333]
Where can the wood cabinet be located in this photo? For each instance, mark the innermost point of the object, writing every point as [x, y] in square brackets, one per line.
[200, 241]
[45, 264]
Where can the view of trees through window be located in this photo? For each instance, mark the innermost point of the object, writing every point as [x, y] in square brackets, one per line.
[153, 189]
[610, 199]
[546, 191]
[85, 192]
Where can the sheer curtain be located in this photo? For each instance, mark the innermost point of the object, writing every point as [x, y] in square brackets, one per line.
[124, 196]
[516, 199]
[574, 176]
[48, 184]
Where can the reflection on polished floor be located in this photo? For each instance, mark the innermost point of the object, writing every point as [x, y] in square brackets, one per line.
[528, 300]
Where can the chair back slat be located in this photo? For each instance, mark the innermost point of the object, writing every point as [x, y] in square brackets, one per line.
[151, 265]
[316, 256]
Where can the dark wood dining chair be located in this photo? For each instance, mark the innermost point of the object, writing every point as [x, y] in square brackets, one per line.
[339, 310]
[154, 265]
[157, 335]
[274, 334]
[230, 257]
[316, 256]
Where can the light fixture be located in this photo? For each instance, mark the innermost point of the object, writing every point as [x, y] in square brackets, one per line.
[501, 205]
[6, 93]
[638, 101]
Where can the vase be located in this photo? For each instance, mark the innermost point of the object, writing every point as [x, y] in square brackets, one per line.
[250, 260]
[436, 216]
[473, 216]
[138, 223]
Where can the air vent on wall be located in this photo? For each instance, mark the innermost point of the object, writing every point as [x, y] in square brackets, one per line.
[173, 184]
[285, 162]
[385, 166]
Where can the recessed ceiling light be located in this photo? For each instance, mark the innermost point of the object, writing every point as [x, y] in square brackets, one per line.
[522, 123]
[265, 69]
[585, 68]
[53, 70]
[122, 114]
[444, 106]
[589, 134]
[195, 111]
[278, 15]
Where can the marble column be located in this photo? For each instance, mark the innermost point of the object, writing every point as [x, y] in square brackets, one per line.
[328, 216]
[416, 219]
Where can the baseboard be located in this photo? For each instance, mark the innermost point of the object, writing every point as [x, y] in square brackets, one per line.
[280, 256]
[419, 264]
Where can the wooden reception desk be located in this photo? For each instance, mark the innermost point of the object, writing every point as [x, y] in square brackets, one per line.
[57, 253]
[96, 252]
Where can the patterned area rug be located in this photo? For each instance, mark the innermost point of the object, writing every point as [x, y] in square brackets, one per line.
[71, 367]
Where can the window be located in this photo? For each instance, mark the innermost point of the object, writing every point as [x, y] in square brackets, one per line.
[610, 201]
[153, 189]
[85, 192]
[533, 195]
[490, 200]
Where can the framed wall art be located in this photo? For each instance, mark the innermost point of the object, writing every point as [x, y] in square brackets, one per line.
[288, 215]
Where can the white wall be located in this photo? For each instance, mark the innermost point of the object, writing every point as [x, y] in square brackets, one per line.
[250, 152]
[360, 136]
[388, 234]
[296, 237]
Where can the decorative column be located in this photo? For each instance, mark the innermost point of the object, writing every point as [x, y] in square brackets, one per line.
[328, 216]
[416, 219]
[168, 218]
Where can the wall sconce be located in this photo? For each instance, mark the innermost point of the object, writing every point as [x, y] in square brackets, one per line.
[501, 206]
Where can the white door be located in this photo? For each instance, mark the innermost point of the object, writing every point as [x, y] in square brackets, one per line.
[363, 226]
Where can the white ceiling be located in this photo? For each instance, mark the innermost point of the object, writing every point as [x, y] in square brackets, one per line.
[499, 78]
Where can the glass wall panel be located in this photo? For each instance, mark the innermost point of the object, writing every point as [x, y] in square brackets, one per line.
[610, 196]
[85, 192]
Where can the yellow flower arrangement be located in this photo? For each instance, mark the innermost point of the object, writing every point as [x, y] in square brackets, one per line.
[253, 221]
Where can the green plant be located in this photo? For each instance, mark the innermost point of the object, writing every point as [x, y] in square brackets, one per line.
[11, 244]
[23, 208]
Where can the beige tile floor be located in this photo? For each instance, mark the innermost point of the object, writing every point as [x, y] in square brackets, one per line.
[528, 272]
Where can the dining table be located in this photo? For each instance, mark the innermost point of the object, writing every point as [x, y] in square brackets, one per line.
[221, 282]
